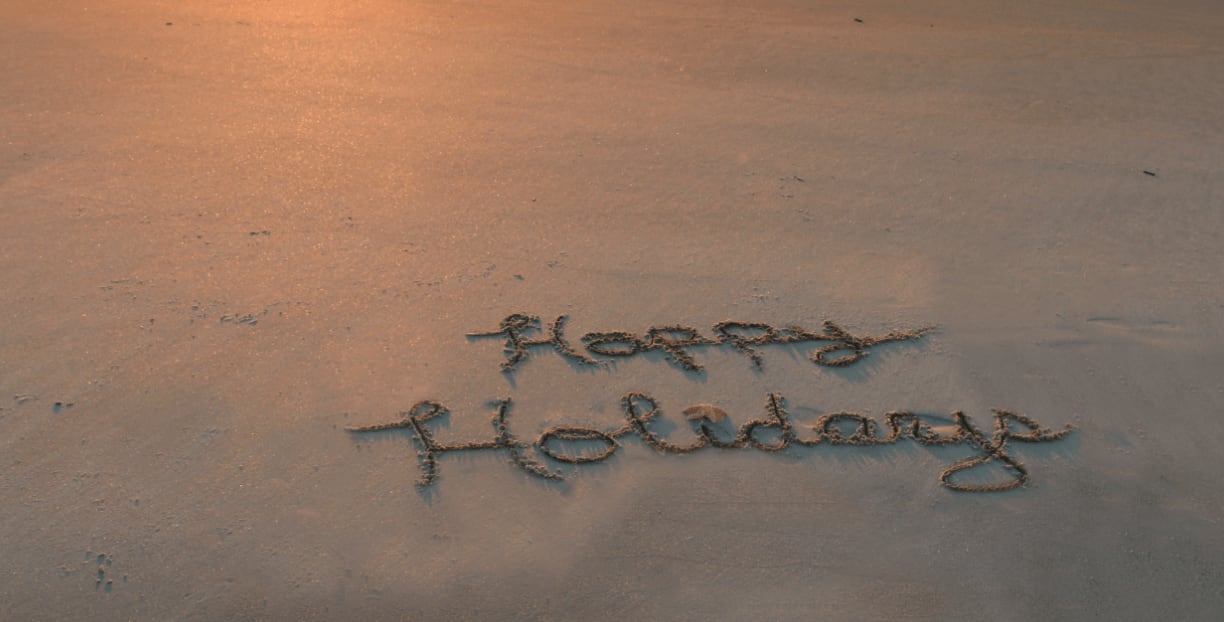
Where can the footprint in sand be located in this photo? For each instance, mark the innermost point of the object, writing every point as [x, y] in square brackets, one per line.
[100, 564]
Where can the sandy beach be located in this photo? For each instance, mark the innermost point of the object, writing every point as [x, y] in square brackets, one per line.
[238, 235]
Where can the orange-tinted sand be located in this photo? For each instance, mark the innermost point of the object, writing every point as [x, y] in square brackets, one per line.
[230, 230]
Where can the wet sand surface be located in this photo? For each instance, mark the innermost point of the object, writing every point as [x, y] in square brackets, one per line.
[233, 230]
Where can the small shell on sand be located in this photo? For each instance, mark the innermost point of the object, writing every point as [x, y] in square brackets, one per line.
[709, 412]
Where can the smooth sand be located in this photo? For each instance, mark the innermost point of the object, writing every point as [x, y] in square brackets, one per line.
[232, 229]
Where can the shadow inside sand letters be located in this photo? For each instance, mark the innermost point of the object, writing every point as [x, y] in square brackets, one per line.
[712, 430]
[523, 334]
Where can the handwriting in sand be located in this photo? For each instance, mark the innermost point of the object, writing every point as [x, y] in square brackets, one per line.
[840, 428]
[523, 332]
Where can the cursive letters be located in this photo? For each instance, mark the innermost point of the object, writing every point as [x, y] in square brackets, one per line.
[675, 341]
[641, 409]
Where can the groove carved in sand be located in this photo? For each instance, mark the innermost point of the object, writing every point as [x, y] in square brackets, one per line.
[640, 409]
